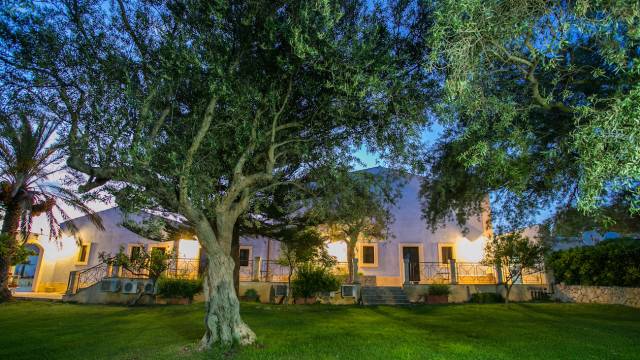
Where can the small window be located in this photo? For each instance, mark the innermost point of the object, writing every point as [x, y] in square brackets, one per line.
[135, 252]
[446, 254]
[244, 257]
[83, 254]
[368, 254]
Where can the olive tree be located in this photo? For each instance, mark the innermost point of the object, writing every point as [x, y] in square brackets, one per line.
[514, 253]
[197, 108]
[359, 210]
[539, 107]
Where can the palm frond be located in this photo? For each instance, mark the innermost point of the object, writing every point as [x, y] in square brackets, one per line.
[28, 156]
[72, 200]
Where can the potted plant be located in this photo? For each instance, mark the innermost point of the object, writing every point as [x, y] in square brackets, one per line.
[438, 294]
[251, 295]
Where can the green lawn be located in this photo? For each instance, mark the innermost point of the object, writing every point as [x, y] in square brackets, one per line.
[35, 330]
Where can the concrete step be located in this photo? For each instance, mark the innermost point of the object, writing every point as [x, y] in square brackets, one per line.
[384, 296]
[382, 292]
[387, 303]
[397, 297]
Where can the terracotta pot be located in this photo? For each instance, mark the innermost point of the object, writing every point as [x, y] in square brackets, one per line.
[437, 299]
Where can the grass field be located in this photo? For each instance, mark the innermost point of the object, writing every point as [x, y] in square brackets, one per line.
[36, 330]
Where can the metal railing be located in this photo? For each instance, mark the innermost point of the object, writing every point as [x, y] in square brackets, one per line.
[273, 271]
[90, 276]
[430, 273]
[534, 276]
[184, 268]
[467, 273]
[474, 273]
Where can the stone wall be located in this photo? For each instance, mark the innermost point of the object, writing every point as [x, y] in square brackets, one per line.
[462, 293]
[598, 294]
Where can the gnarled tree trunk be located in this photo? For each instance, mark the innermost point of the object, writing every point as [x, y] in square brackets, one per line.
[10, 226]
[222, 320]
[235, 254]
[223, 324]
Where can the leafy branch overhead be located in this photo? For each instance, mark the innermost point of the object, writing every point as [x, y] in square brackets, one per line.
[202, 108]
[538, 107]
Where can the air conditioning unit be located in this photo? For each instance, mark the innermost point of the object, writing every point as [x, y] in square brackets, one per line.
[130, 287]
[149, 287]
[110, 285]
[349, 290]
[280, 290]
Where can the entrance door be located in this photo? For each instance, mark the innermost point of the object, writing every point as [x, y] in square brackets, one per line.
[412, 253]
[27, 270]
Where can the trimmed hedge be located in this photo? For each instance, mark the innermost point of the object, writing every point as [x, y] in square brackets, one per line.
[178, 288]
[614, 262]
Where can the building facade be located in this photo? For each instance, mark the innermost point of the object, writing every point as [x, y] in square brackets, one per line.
[412, 253]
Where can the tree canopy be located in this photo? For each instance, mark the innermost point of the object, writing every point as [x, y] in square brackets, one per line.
[198, 108]
[540, 107]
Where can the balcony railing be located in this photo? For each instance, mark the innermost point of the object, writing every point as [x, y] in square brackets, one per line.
[273, 271]
[429, 273]
[474, 273]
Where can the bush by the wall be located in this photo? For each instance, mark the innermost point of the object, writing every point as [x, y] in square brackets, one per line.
[178, 288]
[251, 295]
[613, 262]
[439, 290]
[310, 280]
[486, 298]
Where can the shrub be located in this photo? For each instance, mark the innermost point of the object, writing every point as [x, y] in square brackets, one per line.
[439, 290]
[311, 280]
[175, 288]
[613, 262]
[486, 298]
[251, 294]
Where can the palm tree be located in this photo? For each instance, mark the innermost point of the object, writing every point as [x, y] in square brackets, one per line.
[28, 156]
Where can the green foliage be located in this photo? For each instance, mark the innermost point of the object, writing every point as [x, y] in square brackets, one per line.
[312, 279]
[486, 298]
[178, 288]
[29, 154]
[571, 222]
[252, 294]
[357, 205]
[159, 229]
[439, 289]
[142, 262]
[613, 262]
[19, 255]
[540, 107]
[302, 245]
[513, 252]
